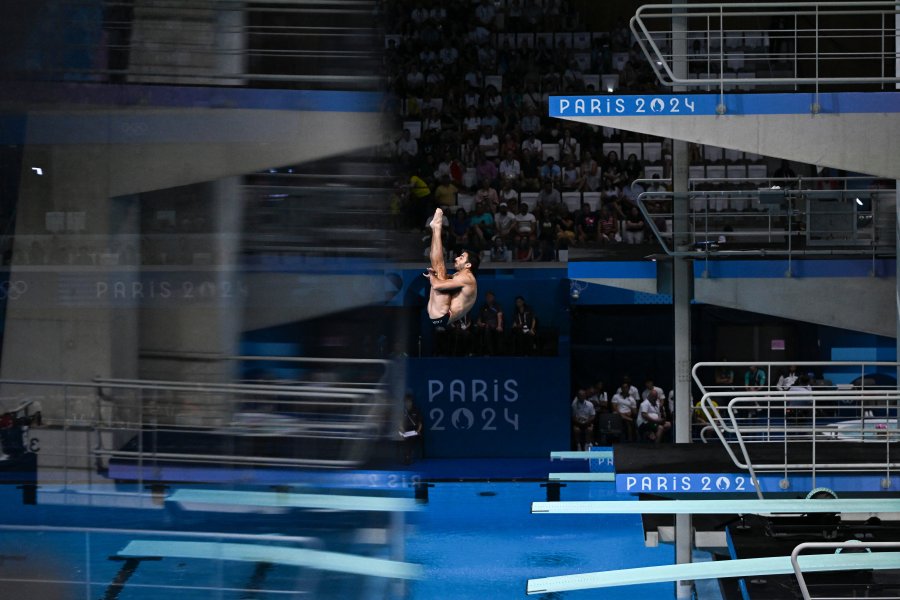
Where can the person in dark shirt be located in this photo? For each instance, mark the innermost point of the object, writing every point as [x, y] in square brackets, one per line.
[490, 325]
[524, 329]
[587, 224]
[411, 429]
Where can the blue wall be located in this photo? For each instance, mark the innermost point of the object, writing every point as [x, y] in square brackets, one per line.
[492, 407]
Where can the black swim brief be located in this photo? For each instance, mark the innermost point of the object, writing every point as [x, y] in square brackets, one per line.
[441, 323]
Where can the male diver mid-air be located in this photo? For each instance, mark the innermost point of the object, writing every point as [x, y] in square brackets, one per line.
[451, 297]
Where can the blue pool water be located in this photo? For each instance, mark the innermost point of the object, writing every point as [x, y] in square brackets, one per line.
[473, 540]
[480, 541]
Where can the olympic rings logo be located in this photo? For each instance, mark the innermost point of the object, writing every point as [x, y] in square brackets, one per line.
[12, 289]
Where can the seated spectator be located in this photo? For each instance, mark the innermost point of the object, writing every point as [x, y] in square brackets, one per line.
[510, 168]
[487, 195]
[587, 224]
[607, 227]
[452, 168]
[549, 197]
[488, 142]
[754, 379]
[550, 170]
[565, 228]
[650, 387]
[546, 224]
[651, 424]
[633, 168]
[634, 227]
[600, 399]
[505, 222]
[407, 148]
[568, 146]
[507, 193]
[509, 145]
[524, 329]
[582, 421]
[788, 378]
[486, 169]
[459, 230]
[489, 119]
[472, 122]
[613, 175]
[490, 325]
[526, 233]
[481, 227]
[530, 125]
[724, 376]
[625, 405]
[445, 192]
[498, 250]
[590, 174]
[571, 177]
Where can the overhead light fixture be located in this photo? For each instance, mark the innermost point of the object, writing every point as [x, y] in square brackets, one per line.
[859, 202]
[37, 170]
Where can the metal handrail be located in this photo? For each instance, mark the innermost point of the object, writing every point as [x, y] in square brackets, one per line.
[852, 240]
[227, 52]
[840, 364]
[848, 545]
[734, 426]
[349, 416]
[714, 17]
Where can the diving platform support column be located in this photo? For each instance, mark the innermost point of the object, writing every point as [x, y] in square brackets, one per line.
[682, 278]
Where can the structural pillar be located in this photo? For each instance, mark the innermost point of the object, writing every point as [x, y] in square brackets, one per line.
[682, 278]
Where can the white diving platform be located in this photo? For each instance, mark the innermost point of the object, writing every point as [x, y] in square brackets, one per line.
[750, 567]
[581, 454]
[204, 499]
[268, 553]
[581, 477]
[719, 507]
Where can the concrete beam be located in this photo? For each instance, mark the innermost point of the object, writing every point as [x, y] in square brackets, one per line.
[854, 303]
[863, 143]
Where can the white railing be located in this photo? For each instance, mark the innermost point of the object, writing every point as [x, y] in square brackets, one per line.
[851, 545]
[746, 216]
[328, 425]
[743, 44]
[804, 428]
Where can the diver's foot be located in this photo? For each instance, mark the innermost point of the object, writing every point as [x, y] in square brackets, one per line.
[437, 221]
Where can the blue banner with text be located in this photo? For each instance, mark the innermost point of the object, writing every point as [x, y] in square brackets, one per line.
[669, 105]
[492, 407]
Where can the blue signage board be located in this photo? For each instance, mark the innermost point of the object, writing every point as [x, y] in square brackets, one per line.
[492, 407]
[683, 483]
[675, 105]
[725, 483]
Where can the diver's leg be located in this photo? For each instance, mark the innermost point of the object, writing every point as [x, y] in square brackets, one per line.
[437, 245]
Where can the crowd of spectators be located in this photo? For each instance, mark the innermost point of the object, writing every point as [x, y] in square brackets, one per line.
[625, 414]
[488, 331]
[471, 82]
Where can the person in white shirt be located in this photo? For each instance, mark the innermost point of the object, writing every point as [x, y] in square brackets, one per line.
[526, 222]
[650, 421]
[786, 380]
[649, 387]
[489, 143]
[625, 405]
[407, 147]
[582, 420]
[504, 221]
[510, 168]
